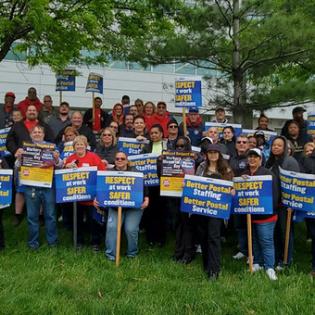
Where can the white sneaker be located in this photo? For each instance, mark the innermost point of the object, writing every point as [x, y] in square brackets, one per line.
[257, 267]
[198, 249]
[271, 274]
[239, 255]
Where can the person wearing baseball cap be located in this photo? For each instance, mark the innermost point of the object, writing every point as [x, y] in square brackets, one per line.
[194, 125]
[263, 225]
[297, 114]
[220, 115]
[210, 227]
[6, 110]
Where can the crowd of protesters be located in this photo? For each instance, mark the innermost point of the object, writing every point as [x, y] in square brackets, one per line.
[94, 135]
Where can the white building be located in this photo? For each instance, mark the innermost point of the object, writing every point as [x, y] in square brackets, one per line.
[154, 83]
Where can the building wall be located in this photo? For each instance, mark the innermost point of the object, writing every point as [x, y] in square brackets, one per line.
[152, 83]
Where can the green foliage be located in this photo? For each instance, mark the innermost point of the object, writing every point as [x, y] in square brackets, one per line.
[69, 31]
[273, 35]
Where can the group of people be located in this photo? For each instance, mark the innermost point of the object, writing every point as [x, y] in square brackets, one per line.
[94, 137]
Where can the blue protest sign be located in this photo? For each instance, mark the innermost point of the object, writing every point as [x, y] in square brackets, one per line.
[207, 196]
[5, 187]
[220, 126]
[3, 137]
[65, 81]
[146, 164]
[78, 184]
[119, 189]
[188, 93]
[67, 150]
[311, 124]
[253, 195]
[297, 190]
[299, 216]
[94, 83]
[131, 146]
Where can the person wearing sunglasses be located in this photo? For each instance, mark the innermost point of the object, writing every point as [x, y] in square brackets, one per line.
[239, 164]
[173, 131]
[107, 147]
[131, 217]
[195, 126]
[114, 127]
[161, 117]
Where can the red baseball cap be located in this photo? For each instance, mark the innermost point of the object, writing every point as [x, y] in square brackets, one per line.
[10, 94]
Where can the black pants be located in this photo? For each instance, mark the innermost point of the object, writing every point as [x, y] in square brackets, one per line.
[154, 217]
[184, 244]
[279, 237]
[1, 230]
[89, 226]
[209, 229]
[311, 224]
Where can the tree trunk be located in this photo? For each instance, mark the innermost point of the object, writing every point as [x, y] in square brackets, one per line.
[241, 114]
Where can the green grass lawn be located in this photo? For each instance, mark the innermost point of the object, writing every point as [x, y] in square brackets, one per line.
[62, 281]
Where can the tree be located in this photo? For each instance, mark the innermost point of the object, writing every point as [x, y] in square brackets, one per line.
[60, 32]
[261, 48]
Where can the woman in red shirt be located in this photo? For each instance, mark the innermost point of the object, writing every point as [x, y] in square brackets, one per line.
[84, 158]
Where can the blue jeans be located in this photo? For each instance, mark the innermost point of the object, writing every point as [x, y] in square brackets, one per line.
[131, 219]
[263, 244]
[35, 197]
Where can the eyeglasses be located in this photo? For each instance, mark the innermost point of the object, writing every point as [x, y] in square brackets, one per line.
[180, 146]
[173, 126]
[114, 127]
[120, 159]
[244, 142]
[161, 106]
[106, 135]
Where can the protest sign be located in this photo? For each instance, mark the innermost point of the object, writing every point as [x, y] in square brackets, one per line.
[146, 164]
[207, 196]
[65, 81]
[37, 165]
[119, 189]
[174, 167]
[253, 195]
[311, 123]
[5, 187]
[67, 150]
[94, 83]
[297, 190]
[131, 146]
[220, 126]
[188, 93]
[299, 216]
[77, 184]
[3, 137]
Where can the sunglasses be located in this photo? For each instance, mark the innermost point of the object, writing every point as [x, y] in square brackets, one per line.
[173, 126]
[180, 146]
[106, 134]
[120, 159]
[244, 142]
[161, 106]
[115, 127]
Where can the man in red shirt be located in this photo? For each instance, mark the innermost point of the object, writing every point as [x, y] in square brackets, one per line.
[100, 119]
[161, 117]
[31, 99]
[20, 131]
